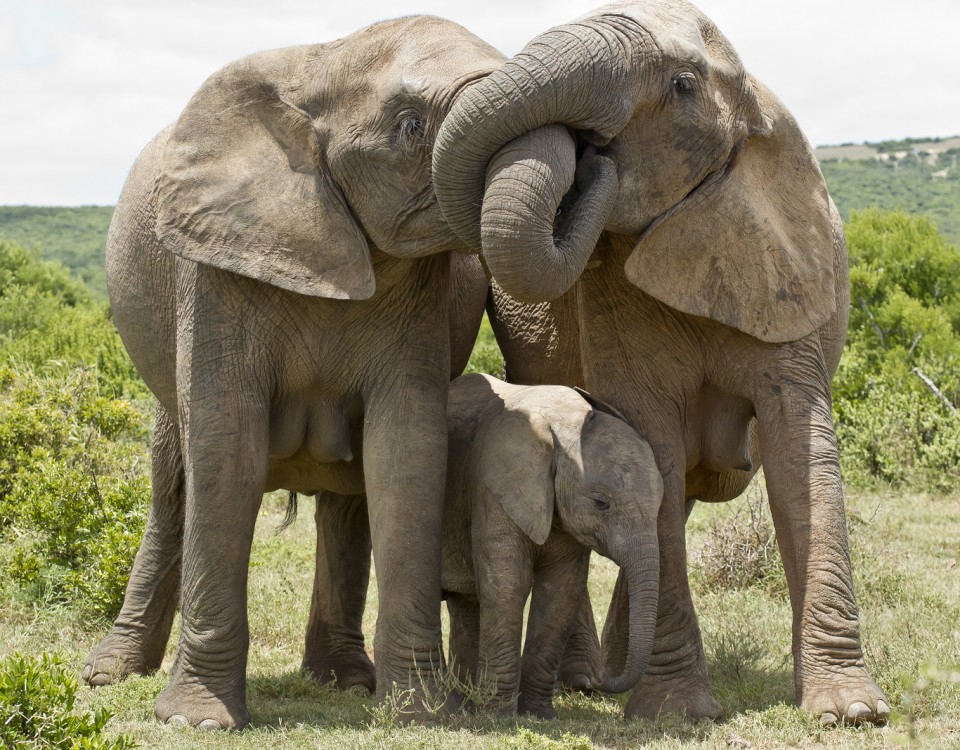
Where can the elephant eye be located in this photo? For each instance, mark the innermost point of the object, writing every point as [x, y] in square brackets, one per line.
[600, 503]
[412, 128]
[684, 83]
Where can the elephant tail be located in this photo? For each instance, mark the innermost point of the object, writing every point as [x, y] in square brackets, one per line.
[291, 514]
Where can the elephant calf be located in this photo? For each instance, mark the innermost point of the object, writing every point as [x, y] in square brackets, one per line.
[537, 477]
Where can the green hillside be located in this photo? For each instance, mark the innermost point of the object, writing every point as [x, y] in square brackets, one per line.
[918, 176]
[74, 236]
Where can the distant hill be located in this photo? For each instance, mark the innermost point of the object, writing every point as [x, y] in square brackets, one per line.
[919, 175]
[74, 236]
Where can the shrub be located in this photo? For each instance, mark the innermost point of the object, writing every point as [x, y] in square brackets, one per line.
[741, 548]
[73, 487]
[36, 708]
[904, 334]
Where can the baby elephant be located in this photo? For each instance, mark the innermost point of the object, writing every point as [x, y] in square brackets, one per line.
[537, 477]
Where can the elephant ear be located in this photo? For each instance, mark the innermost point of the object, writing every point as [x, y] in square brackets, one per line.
[754, 251]
[244, 185]
[517, 467]
[599, 404]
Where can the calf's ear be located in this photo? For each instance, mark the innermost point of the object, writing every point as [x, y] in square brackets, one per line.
[517, 468]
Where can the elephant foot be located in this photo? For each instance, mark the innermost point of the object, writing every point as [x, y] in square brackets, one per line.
[118, 655]
[846, 698]
[536, 707]
[352, 672]
[692, 700]
[194, 705]
[581, 668]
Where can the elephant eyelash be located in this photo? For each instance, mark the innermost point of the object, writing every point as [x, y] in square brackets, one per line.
[412, 128]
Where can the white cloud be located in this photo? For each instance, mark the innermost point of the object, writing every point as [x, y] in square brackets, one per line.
[85, 85]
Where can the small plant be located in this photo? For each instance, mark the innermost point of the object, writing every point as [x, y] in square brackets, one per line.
[526, 739]
[741, 548]
[37, 697]
[388, 713]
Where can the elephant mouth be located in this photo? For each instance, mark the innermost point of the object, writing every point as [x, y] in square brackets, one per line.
[707, 186]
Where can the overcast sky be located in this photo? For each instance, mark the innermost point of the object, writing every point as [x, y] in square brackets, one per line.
[84, 84]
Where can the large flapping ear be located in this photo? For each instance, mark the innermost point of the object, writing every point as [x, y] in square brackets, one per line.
[244, 185]
[754, 251]
[517, 467]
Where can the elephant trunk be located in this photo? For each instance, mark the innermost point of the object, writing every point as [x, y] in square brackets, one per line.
[564, 76]
[526, 183]
[642, 573]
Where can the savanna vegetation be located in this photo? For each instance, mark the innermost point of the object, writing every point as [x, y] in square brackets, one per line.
[74, 488]
[918, 183]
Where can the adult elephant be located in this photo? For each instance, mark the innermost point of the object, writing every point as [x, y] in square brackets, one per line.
[712, 310]
[279, 274]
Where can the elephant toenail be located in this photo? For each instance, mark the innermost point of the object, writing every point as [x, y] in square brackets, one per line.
[210, 725]
[99, 679]
[827, 718]
[178, 720]
[883, 710]
[362, 690]
[857, 711]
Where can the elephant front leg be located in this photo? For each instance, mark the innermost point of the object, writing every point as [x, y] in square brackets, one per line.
[559, 587]
[503, 586]
[676, 678]
[224, 437]
[334, 651]
[802, 469]
[136, 643]
[405, 457]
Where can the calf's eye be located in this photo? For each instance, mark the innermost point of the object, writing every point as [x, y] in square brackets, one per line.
[600, 503]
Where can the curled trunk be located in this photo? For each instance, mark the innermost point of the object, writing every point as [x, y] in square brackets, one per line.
[642, 573]
[561, 77]
[533, 250]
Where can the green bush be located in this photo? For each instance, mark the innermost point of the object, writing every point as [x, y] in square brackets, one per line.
[904, 334]
[73, 463]
[73, 487]
[37, 698]
[46, 315]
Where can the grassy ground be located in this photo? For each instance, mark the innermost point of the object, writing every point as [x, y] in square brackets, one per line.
[905, 551]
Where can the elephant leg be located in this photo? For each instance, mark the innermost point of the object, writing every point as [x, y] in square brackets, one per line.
[224, 435]
[559, 586]
[136, 643]
[334, 651]
[464, 650]
[676, 679]
[405, 456]
[503, 591]
[581, 667]
[802, 469]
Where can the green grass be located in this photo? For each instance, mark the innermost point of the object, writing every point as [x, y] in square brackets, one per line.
[905, 550]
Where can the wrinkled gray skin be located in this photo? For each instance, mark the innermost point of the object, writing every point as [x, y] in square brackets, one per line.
[538, 477]
[279, 274]
[711, 313]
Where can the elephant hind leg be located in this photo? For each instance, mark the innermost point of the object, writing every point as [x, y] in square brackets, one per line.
[136, 643]
[581, 667]
[334, 651]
